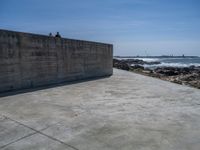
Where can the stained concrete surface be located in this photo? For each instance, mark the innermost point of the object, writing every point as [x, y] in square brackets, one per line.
[126, 111]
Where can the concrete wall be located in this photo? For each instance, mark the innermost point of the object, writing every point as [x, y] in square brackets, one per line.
[30, 60]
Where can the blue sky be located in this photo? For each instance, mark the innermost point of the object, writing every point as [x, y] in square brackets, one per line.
[135, 27]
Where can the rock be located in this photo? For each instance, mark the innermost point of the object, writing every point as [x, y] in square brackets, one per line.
[138, 62]
[166, 72]
[153, 63]
[134, 61]
[192, 67]
[185, 70]
[120, 64]
[137, 67]
[186, 75]
[195, 84]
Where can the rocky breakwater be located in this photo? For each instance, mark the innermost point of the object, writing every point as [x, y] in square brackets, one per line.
[187, 75]
[181, 75]
[131, 64]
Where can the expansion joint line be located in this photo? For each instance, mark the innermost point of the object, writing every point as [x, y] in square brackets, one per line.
[18, 140]
[36, 131]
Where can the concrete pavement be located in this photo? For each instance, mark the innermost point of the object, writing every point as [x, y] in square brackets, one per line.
[126, 111]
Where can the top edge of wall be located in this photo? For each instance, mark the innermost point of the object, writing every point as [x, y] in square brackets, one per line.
[28, 33]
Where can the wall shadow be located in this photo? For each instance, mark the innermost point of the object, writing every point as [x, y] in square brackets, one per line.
[28, 90]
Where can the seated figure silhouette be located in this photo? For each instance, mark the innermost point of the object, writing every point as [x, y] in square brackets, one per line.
[50, 34]
[58, 35]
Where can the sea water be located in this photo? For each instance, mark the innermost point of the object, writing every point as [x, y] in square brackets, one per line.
[174, 62]
[170, 61]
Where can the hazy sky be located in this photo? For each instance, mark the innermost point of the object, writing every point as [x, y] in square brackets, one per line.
[135, 27]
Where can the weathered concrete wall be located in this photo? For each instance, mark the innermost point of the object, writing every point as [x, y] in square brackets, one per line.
[30, 60]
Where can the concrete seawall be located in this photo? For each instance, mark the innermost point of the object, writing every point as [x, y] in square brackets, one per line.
[31, 60]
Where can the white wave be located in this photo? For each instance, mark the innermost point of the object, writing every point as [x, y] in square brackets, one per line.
[119, 58]
[148, 59]
[172, 65]
[144, 59]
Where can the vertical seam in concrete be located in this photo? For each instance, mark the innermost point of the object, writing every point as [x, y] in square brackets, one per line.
[36, 131]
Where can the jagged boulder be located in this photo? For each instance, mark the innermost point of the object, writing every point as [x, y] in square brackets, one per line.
[120, 64]
[133, 67]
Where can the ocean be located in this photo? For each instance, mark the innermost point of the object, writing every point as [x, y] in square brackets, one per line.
[169, 61]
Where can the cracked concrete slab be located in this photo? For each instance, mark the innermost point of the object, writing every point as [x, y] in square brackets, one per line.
[125, 111]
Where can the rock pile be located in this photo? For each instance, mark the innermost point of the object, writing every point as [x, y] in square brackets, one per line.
[121, 64]
[186, 75]
[131, 64]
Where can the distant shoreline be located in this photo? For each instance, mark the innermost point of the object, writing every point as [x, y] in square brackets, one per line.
[156, 56]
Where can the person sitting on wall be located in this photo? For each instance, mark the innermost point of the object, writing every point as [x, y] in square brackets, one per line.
[58, 35]
[50, 34]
